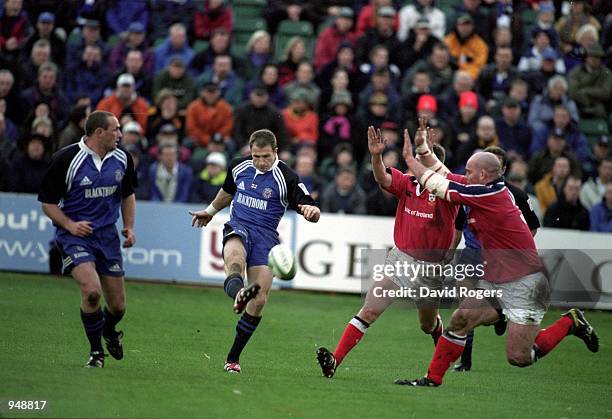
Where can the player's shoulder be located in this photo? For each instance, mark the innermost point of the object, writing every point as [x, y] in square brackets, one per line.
[122, 154]
[286, 170]
[240, 161]
[66, 154]
[518, 193]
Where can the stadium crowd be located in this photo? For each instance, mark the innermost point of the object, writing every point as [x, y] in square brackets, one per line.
[530, 76]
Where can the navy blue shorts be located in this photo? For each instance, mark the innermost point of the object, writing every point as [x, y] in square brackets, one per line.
[103, 247]
[257, 241]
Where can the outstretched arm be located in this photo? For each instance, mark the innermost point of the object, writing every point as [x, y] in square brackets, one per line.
[376, 145]
[203, 217]
[424, 148]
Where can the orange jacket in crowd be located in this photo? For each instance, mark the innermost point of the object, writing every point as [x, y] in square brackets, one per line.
[471, 55]
[204, 121]
[303, 127]
[139, 109]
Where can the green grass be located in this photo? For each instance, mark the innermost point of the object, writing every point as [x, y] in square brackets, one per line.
[177, 338]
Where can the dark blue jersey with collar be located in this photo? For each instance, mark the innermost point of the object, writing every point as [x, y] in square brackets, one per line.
[86, 187]
[261, 198]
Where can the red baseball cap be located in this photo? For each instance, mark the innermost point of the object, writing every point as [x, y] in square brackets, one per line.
[427, 102]
[468, 99]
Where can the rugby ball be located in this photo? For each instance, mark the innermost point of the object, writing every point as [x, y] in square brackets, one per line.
[282, 262]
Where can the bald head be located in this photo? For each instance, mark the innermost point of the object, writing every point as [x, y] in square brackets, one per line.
[482, 168]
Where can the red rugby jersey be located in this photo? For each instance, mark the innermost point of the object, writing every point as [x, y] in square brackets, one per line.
[507, 244]
[424, 223]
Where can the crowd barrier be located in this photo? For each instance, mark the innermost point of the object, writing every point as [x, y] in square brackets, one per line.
[328, 253]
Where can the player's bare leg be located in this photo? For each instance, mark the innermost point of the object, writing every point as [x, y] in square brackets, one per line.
[470, 314]
[375, 304]
[234, 257]
[114, 294]
[519, 343]
[260, 279]
[93, 319]
[431, 322]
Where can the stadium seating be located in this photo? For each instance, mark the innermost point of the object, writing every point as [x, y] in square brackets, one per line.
[248, 8]
[287, 30]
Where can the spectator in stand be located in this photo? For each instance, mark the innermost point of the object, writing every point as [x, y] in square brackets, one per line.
[219, 45]
[345, 61]
[163, 13]
[40, 54]
[258, 54]
[600, 151]
[305, 168]
[338, 125]
[209, 114]
[10, 128]
[175, 44]
[486, 136]
[467, 47]
[494, 80]
[75, 128]
[176, 79]
[294, 10]
[568, 26]
[168, 134]
[418, 45]
[541, 50]
[214, 15]
[575, 140]
[133, 136]
[519, 90]
[383, 33]
[368, 14]
[170, 180]
[89, 35]
[87, 79]
[8, 148]
[568, 212]
[46, 90]
[29, 169]
[14, 27]
[601, 213]
[541, 110]
[545, 22]
[594, 189]
[538, 79]
[514, 133]
[230, 83]
[517, 176]
[45, 30]
[463, 128]
[411, 13]
[135, 39]
[141, 167]
[125, 101]
[462, 82]
[165, 112]
[549, 188]
[208, 182]
[15, 109]
[268, 78]
[121, 14]
[304, 80]
[438, 66]
[258, 113]
[134, 65]
[381, 83]
[472, 8]
[330, 39]
[410, 98]
[590, 85]
[344, 196]
[542, 162]
[301, 122]
[293, 55]
[586, 37]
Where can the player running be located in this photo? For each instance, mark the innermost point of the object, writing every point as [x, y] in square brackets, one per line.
[472, 247]
[423, 233]
[82, 192]
[513, 270]
[259, 188]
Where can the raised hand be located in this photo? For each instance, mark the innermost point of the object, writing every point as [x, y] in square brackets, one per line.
[376, 142]
[407, 150]
[200, 218]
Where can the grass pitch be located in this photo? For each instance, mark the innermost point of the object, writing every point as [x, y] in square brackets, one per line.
[176, 340]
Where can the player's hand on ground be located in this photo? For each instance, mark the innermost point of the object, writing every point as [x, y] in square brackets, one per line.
[310, 212]
[130, 237]
[200, 218]
[376, 142]
[80, 228]
[407, 150]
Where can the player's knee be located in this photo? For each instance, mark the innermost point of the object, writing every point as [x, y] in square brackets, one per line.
[459, 321]
[92, 297]
[519, 359]
[369, 314]
[427, 325]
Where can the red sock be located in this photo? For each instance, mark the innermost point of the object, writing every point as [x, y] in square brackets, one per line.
[548, 338]
[448, 350]
[352, 335]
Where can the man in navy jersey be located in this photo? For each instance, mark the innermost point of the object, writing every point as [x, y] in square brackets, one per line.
[423, 232]
[513, 272]
[472, 246]
[85, 187]
[259, 189]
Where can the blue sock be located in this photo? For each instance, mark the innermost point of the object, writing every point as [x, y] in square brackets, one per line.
[93, 324]
[233, 284]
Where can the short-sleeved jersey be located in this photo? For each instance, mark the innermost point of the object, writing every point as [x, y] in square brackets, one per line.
[87, 187]
[261, 198]
[507, 244]
[423, 222]
[521, 199]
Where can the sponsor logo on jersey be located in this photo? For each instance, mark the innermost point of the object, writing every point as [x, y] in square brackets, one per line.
[101, 192]
[250, 202]
[267, 193]
[303, 188]
[118, 175]
[85, 181]
[431, 197]
[241, 186]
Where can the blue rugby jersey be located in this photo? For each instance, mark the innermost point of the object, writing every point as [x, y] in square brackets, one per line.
[261, 198]
[86, 187]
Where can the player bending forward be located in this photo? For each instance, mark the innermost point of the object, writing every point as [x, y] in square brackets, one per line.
[82, 192]
[422, 234]
[259, 188]
[513, 270]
